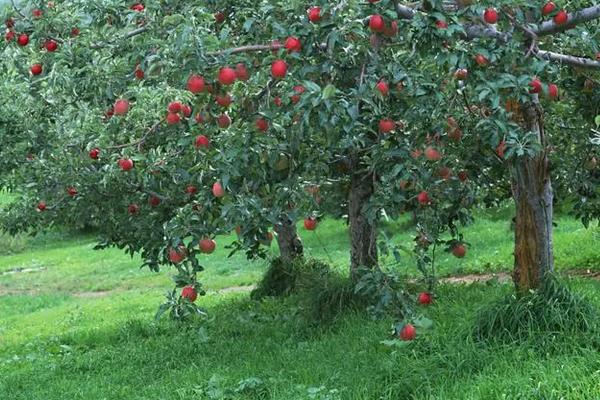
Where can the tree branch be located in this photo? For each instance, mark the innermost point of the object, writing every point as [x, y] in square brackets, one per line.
[245, 49]
[567, 59]
[17, 9]
[578, 17]
[404, 12]
[139, 142]
[128, 35]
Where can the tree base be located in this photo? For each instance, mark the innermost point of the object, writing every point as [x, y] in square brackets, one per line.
[283, 278]
[551, 309]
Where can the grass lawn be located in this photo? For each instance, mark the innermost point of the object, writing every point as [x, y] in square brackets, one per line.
[79, 325]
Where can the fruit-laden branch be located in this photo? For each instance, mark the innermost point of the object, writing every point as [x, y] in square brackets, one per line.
[546, 28]
[567, 59]
[575, 18]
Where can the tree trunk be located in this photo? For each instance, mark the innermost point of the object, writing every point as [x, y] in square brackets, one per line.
[290, 244]
[532, 192]
[363, 233]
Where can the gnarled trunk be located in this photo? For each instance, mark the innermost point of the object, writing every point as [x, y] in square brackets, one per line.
[363, 233]
[532, 192]
[290, 244]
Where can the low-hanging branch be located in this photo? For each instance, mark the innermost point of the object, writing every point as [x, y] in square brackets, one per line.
[567, 59]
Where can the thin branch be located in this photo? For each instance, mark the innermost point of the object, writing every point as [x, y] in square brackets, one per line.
[246, 49]
[139, 142]
[576, 18]
[567, 59]
[128, 35]
[17, 9]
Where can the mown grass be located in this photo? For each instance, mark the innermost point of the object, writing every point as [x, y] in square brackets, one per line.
[80, 325]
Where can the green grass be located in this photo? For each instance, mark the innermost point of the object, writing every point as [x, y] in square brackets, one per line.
[80, 326]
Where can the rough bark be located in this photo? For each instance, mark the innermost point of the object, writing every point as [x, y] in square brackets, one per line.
[363, 233]
[290, 244]
[532, 193]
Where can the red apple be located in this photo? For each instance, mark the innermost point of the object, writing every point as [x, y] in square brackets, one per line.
[227, 76]
[561, 17]
[455, 134]
[376, 23]
[121, 107]
[383, 88]
[199, 118]
[139, 7]
[408, 332]
[36, 69]
[386, 125]
[72, 191]
[548, 8]
[139, 73]
[444, 173]
[207, 246]
[219, 17]
[186, 110]
[293, 44]
[501, 148]
[190, 293]
[75, 32]
[279, 69]
[51, 45]
[154, 201]
[490, 16]
[172, 118]
[191, 190]
[174, 107]
[481, 60]
[133, 209]
[223, 100]
[461, 74]
[423, 198]
[310, 223]
[553, 91]
[262, 124]
[314, 14]
[126, 164]
[441, 24]
[10, 23]
[463, 176]
[177, 255]
[432, 154]
[202, 142]
[10, 35]
[94, 153]
[195, 84]
[224, 121]
[41, 205]
[391, 30]
[425, 298]
[277, 101]
[535, 86]
[36, 13]
[217, 190]
[23, 39]
[241, 72]
[459, 251]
